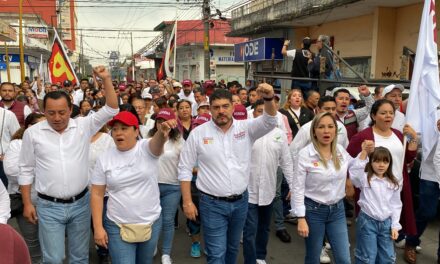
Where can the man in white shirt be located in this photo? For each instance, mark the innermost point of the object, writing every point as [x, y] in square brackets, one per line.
[222, 148]
[268, 152]
[187, 92]
[8, 126]
[78, 95]
[55, 154]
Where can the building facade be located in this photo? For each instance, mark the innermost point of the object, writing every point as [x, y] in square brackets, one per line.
[190, 52]
[377, 38]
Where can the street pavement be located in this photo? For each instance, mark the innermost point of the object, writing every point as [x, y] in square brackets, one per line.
[283, 253]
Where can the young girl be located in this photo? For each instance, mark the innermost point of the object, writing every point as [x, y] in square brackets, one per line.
[378, 222]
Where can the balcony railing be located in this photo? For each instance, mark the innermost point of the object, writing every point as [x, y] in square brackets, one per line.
[263, 12]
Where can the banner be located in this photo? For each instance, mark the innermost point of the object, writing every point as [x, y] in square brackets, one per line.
[60, 68]
[424, 96]
[170, 50]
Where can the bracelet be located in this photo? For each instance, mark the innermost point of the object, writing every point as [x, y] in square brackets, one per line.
[268, 99]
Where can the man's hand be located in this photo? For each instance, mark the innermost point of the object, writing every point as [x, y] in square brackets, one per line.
[101, 72]
[265, 90]
[30, 213]
[286, 42]
[190, 211]
[364, 91]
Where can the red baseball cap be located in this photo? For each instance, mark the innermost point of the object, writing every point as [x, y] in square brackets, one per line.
[187, 82]
[166, 114]
[240, 112]
[126, 118]
[201, 119]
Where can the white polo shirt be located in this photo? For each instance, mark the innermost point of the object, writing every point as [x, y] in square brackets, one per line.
[223, 158]
[131, 181]
[267, 152]
[60, 162]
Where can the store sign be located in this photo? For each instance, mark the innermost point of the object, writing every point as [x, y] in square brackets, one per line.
[259, 50]
[12, 58]
[37, 32]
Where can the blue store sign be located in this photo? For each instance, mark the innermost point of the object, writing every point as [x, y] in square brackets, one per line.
[12, 58]
[259, 49]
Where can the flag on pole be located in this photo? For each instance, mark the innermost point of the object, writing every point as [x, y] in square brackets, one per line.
[60, 68]
[424, 96]
[170, 50]
[160, 74]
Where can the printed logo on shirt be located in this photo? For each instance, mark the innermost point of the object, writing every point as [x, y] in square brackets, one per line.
[315, 163]
[277, 138]
[208, 140]
[240, 135]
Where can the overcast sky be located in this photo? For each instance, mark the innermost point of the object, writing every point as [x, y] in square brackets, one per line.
[137, 15]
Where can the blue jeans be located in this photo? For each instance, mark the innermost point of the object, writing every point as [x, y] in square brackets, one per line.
[326, 220]
[256, 233]
[54, 220]
[278, 203]
[222, 224]
[169, 201]
[373, 241]
[122, 252]
[429, 194]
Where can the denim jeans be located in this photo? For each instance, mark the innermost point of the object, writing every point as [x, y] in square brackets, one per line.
[169, 201]
[278, 203]
[222, 224]
[122, 252]
[373, 241]
[326, 220]
[429, 194]
[54, 220]
[29, 232]
[256, 233]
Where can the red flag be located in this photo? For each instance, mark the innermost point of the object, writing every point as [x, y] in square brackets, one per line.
[160, 73]
[60, 68]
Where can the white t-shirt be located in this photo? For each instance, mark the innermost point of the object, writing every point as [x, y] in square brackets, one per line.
[102, 144]
[131, 181]
[169, 160]
[395, 146]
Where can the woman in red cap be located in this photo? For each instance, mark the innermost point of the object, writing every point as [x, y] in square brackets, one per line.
[169, 185]
[130, 229]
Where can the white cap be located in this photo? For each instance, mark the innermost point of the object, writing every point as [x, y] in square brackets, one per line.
[391, 87]
[146, 95]
[177, 84]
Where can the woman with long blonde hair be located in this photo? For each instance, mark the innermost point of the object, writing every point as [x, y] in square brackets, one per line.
[318, 190]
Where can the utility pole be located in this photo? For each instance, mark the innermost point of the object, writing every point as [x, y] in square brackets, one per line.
[132, 57]
[207, 56]
[20, 40]
[81, 61]
[8, 70]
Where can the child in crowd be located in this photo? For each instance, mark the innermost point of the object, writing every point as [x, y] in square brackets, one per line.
[378, 222]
